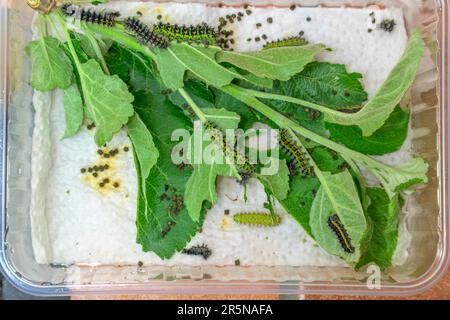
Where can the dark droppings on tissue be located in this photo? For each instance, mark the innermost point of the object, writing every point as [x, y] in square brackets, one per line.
[226, 212]
[269, 20]
[388, 25]
[237, 262]
[292, 7]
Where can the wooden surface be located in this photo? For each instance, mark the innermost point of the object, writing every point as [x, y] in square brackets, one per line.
[441, 292]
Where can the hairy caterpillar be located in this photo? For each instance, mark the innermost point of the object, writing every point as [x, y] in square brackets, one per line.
[200, 34]
[144, 35]
[295, 152]
[338, 228]
[288, 42]
[243, 164]
[88, 15]
[257, 219]
[202, 250]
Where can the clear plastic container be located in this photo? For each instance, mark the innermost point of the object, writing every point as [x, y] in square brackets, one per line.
[428, 254]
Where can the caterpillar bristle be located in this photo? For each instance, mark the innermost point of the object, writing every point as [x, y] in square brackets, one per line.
[198, 250]
[338, 228]
[295, 152]
[287, 42]
[199, 34]
[106, 18]
[144, 35]
[245, 167]
[257, 219]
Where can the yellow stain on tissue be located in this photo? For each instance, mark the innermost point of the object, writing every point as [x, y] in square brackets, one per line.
[111, 173]
[224, 223]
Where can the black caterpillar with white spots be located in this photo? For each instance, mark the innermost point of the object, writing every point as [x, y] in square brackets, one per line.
[106, 18]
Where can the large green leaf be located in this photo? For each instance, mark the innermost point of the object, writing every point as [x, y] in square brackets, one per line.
[73, 110]
[51, 68]
[277, 184]
[133, 68]
[380, 106]
[383, 213]
[277, 64]
[158, 194]
[201, 186]
[324, 83]
[144, 148]
[300, 198]
[174, 61]
[338, 196]
[107, 99]
[389, 138]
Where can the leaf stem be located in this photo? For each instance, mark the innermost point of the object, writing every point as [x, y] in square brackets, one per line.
[55, 29]
[97, 51]
[304, 103]
[284, 122]
[69, 41]
[193, 105]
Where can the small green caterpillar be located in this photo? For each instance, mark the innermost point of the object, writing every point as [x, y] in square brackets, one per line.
[257, 219]
[287, 42]
[199, 34]
[243, 164]
[339, 230]
[295, 152]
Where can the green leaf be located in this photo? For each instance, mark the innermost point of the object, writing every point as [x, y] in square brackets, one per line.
[143, 145]
[278, 63]
[107, 99]
[277, 184]
[327, 160]
[103, 43]
[133, 68]
[383, 213]
[396, 179]
[198, 91]
[389, 138]
[326, 84]
[201, 186]
[223, 118]
[338, 195]
[174, 61]
[51, 68]
[300, 198]
[73, 110]
[247, 116]
[156, 206]
[380, 106]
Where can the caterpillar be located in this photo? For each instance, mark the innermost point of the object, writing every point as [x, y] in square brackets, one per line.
[88, 15]
[257, 219]
[199, 34]
[199, 250]
[338, 228]
[287, 42]
[243, 164]
[144, 35]
[295, 152]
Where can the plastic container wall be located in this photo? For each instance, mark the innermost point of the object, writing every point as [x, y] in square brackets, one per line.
[428, 255]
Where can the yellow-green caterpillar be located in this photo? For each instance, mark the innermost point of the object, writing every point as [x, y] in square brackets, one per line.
[339, 230]
[288, 42]
[257, 219]
[242, 163]
[295, 152]
[200, 34]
